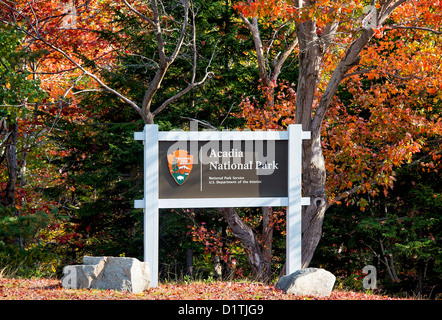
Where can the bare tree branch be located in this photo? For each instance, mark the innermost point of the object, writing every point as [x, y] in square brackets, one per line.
[192, 83]
[346, 194]
[395, 26]
[267, 75]
[93, 76]
[390, 6]
[165, 61]
[280, 62]
[362, 71]
[181, 93]
[254, 29]
[142, 16]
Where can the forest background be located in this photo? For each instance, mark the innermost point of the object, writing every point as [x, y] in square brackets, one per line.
[71, 73]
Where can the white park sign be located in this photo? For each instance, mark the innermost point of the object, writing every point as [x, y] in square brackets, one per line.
[219, 169]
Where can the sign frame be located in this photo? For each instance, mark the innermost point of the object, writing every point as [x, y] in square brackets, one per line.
[151, 202]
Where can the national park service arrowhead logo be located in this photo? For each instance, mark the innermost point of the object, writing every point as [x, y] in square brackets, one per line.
[180, 164]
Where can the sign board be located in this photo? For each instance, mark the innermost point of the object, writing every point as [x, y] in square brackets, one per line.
[215, 169]
[238, 171]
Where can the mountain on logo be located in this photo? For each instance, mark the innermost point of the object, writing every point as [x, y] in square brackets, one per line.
[180, 164]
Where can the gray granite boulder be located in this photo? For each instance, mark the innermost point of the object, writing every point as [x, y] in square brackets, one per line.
[108, 273]
[310, 281]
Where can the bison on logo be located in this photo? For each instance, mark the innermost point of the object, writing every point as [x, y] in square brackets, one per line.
[180, 164]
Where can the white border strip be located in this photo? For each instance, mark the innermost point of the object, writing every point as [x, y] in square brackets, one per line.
[294, 207]
[151, 222]
[222, 202]
[221, 135]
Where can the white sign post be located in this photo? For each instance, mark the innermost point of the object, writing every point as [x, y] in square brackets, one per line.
[152, 201]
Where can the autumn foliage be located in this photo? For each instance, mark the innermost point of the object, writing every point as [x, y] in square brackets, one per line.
[387, 109]
[55, 29]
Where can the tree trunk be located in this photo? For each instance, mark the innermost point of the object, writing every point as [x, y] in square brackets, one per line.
[12, 167]
[314, 178]
[189, 262]
[11, 162]
[260, 267]
[267, 238]
[311, 52]
[218, 268]
[313, 164]
[420, 275]
[147, 116]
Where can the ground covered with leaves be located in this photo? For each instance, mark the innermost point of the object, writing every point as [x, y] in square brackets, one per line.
[51, 289]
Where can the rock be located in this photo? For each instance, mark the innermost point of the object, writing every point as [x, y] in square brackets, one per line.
[310, 281]
[108, 273]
